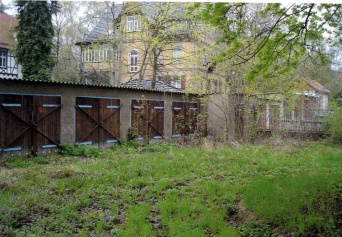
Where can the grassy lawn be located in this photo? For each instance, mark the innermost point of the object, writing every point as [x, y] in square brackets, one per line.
[164, 190]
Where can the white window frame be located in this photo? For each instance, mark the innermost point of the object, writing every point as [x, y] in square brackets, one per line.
[101, 54]
[133, 61]
[176, 82]
[177, 55]
[129, 23]
[137, 23]
[133, 23]
[3, 58]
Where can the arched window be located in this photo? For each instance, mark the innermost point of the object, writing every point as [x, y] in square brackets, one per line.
[133, 66]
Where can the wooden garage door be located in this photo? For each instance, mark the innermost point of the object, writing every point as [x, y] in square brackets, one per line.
[29, 124]
[148, 119]
[184, 118]
[97, 121]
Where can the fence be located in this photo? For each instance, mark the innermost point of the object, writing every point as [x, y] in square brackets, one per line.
[298, 120]
[36, 117]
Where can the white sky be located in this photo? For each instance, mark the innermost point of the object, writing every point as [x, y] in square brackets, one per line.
[11, 11]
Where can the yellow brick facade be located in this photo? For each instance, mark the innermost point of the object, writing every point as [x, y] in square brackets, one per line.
[178, 64]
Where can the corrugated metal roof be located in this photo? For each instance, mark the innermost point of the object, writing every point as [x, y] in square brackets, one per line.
[95, 86]
[147, 84]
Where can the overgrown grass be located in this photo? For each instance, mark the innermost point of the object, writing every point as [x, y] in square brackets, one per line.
[164, 190]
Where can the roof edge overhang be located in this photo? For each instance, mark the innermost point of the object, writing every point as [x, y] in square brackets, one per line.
[16, 80]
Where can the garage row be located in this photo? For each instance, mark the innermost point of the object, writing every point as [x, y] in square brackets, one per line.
[34, 124]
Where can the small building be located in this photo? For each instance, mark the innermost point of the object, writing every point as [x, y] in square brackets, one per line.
[303, 109]
[36, 117]
[9, 68]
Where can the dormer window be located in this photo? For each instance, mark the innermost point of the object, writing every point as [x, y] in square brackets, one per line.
[133, 23]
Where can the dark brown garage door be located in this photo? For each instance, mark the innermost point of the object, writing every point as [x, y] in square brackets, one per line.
[97, 121]
[184, 118]
[148, 119]
[29, 124]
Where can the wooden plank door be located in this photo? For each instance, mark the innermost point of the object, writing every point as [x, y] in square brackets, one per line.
[29, 124]
[178, 119]
[97, 121]
[191, 110]
[46, 122]
[15, 119]
[109, 122]
[184, 118]
[147, 119]
[156, 120]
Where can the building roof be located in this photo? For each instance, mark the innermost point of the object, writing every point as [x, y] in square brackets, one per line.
[100, 31]
[147, 84]
[7, 26]
[316, 86]
[158, 88]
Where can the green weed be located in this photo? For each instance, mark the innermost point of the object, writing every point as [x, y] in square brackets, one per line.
[297, 202]
[80, 150]
[163, 190]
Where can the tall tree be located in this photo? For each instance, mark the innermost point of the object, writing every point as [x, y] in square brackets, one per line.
[35, 35]
[3, 7]
[68, 29]
[286, 34]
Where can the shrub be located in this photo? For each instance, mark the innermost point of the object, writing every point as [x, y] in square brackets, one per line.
[334, 125]
[92, 152]
[68, 149]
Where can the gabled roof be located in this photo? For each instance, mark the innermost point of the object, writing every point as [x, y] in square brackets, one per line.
[147, 84]
[7, 26]
[316, 86]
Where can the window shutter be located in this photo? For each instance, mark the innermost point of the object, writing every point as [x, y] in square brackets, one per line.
[167, 79]
[183, 80]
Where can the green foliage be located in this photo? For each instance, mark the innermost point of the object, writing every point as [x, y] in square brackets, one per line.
[334, 125]
[24, 162]
[172, 192]
[256, 230]
[276, 37]
[337, 97]
[299, 203]
[68, 149]
[34, 38]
